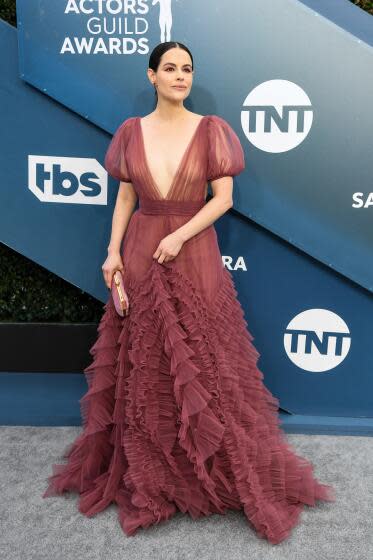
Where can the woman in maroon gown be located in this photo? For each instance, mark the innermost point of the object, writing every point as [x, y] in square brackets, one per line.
[177, 416]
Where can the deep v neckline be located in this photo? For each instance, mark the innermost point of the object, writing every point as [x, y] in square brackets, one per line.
[181, 162]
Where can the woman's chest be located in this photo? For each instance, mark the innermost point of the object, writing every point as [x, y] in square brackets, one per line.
[163, 169]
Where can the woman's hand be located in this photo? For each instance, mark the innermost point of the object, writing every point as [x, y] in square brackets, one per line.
[168, 248]
[112, 263]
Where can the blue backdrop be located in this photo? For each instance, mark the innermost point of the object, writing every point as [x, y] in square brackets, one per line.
[294, 83]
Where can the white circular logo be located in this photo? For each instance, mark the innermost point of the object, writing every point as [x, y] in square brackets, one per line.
[277, 116]
[317, 340]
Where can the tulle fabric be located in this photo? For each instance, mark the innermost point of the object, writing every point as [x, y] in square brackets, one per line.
[177, 416]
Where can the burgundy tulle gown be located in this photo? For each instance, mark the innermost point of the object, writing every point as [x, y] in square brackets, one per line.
[176, 416]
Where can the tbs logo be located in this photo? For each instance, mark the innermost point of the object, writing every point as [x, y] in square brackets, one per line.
[67, 180]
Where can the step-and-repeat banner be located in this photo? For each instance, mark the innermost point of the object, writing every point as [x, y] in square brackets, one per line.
[293, 82]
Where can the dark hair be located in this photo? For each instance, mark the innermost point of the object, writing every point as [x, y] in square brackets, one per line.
[160, 49]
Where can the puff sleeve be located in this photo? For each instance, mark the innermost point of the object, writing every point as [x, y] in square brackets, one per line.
[225, 153]
[115, 158]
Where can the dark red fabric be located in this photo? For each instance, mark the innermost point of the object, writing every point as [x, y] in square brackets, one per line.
[177, 416]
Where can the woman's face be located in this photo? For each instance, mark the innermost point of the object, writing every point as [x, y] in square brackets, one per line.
[175, 69]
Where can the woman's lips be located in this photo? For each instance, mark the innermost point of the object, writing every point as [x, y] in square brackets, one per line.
[179, 87]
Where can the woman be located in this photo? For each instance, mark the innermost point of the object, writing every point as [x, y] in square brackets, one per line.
[177, 415]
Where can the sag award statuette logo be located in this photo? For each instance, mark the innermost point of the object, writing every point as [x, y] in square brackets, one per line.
[114, 26]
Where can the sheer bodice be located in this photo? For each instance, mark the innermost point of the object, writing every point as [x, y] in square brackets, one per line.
[214, 151]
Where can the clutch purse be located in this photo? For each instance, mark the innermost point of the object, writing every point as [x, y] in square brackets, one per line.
[119, 294]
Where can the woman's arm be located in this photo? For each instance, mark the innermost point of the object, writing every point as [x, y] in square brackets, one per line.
[124, 206]
[217, 206]
[170, 246]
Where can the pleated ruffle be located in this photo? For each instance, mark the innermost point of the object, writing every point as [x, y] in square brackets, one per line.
[177, 416]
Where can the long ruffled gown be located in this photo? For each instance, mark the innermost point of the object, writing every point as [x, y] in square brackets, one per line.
[176, 416]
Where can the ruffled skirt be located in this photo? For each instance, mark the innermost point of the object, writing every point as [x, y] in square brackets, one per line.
[177, 416]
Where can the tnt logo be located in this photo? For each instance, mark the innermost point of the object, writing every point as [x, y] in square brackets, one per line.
[67, 180]
[317, 340]
[277, 116]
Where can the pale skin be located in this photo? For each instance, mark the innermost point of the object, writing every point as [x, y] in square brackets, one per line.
[166, 132]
